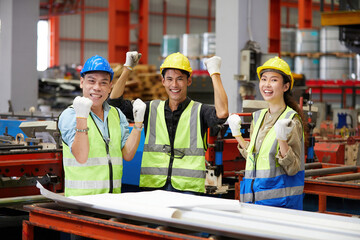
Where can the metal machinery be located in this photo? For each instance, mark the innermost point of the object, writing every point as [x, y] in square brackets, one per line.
[223, 158]
[30, 153]
[332, 180]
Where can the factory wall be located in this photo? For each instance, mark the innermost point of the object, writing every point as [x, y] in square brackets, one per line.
[230, 27]
[96, 28]
[18, 21]
[95, 31]
[231, 36]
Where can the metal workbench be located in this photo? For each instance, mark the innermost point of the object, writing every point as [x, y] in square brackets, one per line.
[91, 216]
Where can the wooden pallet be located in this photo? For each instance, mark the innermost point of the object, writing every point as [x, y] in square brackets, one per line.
[318, 54]
[144, 83]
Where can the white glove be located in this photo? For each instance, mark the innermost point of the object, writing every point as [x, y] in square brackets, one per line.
[132, 59]
[283, 128]
[139, 108]
[234, 122]
[82, 106]
[213, 65]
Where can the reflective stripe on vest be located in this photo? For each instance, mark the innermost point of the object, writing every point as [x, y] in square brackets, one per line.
[93, 177]
[265, 181]
[188, 167]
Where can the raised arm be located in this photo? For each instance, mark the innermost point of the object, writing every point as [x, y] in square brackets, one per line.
[133, 141]
[132, 59]
[234, 122]
[80, 146]
[220, 98]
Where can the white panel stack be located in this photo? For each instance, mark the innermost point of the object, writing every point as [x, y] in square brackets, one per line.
[202, 64]
[288, 39]
[329, 40]
[307, 66]
[307, 41]
[208, 44]
[357, 67]
[290, 61]
[190, 45]
[170, 44]
[333, 68]
[195, 64]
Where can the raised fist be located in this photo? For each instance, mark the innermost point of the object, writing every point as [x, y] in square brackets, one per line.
[82, 106]
[132, 59]
[283, 128]
[139, 108]
[234, 122]
[213, 65]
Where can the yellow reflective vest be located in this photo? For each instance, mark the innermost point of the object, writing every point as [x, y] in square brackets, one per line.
[184, 164]
[102, 171]
[265, 181]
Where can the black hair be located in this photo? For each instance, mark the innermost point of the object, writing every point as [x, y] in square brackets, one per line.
[290, 101]
[182, 71]
[95, 71]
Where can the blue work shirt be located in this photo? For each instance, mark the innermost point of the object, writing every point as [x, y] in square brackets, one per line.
[67, 124]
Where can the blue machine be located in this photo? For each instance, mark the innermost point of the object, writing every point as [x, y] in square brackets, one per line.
[131, 169]
[12, 127]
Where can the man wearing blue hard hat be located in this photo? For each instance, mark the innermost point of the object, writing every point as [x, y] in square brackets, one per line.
[96, 135]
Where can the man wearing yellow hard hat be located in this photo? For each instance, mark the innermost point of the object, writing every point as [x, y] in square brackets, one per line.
[274, 172]
[175, 129]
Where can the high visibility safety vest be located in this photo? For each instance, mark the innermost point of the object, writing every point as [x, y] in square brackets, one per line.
[265, 181]
[187, 166]
[103, 170]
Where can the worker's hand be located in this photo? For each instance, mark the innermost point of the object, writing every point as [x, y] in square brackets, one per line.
[234, 122]
[82, 106]
[283, 128]
[139, 108]
[132, 59]
[213, 65]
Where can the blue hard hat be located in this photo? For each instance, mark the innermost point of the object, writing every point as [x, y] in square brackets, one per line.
[97, 63]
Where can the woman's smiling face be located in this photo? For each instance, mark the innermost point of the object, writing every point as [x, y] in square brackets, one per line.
[272, 87]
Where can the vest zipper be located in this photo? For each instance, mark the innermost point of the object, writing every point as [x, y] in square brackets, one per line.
[168, 180]
[111, 181]
[110, 173]
[106, 141]
[252, 189]
[253, 180]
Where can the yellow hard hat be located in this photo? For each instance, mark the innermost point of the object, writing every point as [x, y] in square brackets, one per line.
[177, 61]
[277, 64]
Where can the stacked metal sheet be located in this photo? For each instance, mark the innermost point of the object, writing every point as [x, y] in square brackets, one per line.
[208, 44]
[334, 68]
[190, 45]
[329, 40]
[288, 40]
[307, 66]
[307, 41]
[170, 44]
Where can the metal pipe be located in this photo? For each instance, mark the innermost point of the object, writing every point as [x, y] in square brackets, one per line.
[325, 171]
[11, 147]
[341, 178]
[313, 165]
[23, 200]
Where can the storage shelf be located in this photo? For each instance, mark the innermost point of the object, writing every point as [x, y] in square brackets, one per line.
[319, 54]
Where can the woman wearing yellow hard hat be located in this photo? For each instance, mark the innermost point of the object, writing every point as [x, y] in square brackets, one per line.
[274, 173]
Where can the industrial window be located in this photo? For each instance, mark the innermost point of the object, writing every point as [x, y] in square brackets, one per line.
[43, 48]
